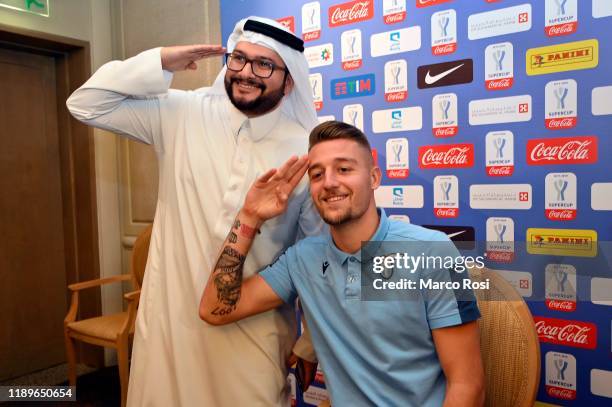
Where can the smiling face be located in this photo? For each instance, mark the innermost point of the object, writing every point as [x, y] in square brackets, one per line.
[251, 94]
[342, 180]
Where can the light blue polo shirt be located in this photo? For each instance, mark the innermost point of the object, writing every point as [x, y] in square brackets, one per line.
[373, 353]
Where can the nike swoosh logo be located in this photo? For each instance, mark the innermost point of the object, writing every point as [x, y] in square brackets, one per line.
[430, 80]
[450, 236]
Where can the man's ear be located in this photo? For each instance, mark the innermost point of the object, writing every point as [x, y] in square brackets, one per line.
[376, 176]
[288, 84]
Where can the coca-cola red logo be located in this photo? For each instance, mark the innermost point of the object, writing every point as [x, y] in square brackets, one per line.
[351, 12]
[578, 334]
[561, 305]
[561, 393]
[562, 150]
[561, 123]
[444, 49]
[288, 22]
[446, 156]
[395, 18]
[500, 84]
[446, 212]
[427, 3]
[500, 170]
[561, 29]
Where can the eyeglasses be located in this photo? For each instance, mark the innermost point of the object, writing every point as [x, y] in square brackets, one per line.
[261, 68]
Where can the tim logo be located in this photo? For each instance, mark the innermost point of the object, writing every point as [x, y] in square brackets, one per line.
[362, 85]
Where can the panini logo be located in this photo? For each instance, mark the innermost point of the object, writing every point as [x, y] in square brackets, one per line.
[563, 57]
[362, 85]
[562, 242]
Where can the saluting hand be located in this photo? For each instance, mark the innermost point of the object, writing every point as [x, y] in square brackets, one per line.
[183, 57]
[269, 194]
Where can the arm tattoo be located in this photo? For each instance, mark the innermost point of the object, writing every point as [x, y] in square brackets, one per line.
[228, 279]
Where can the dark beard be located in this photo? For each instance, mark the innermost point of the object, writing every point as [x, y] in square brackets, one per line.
[258, 106]
[337, 221]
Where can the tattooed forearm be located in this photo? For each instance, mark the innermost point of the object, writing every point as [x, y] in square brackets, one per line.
[228, 277]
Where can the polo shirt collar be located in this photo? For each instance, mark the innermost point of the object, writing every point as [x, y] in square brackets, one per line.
[370, 248]
[260, 126]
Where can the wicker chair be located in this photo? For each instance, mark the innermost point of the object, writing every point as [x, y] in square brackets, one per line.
[508, 344]
[113, 330]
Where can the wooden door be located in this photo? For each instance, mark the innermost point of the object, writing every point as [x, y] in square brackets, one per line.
[32, 252]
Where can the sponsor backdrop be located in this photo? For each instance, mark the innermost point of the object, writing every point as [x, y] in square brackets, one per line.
[491, 121]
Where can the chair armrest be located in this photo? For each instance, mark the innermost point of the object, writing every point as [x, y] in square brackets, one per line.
[132, 296]
[101, 281]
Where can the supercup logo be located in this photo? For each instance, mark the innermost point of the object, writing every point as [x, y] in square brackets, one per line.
[353, 115]
[446, 156]
[444, 115]
[560, 287]
[394, 11]
[499, 66]
[446, 196]
[562, 150]
[444, 32]
[560, 192]
[351, 12]
[578, 334]
[561, 104]
[316, 86]
[500, 153]
[396, 80]
[500, 239]
[351, 50]
[311, 21]
[561, 375]
[397, 158]
[561, 17]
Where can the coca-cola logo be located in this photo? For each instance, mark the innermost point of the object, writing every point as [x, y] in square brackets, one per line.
[444, 49]
[351, 12]
[563, 150]
[446, 212]
[561, 123]
[500, 171]
[561, 29]
[288, 22]
[499, 84]
[561, 214]
[446, 156]
[560, 393]
[577, 334]
[427, 3]
[395, 18]
[445, 131]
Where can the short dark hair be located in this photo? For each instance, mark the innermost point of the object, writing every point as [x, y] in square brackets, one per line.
[335, 130]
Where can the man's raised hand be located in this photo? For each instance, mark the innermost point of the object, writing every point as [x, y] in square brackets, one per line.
[269, 194]
[183, 57]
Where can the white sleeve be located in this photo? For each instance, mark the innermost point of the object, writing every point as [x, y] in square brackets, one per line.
[125, 97]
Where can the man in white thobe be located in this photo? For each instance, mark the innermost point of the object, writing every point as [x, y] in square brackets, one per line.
[211, 145]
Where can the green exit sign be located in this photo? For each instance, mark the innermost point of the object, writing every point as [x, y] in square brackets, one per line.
[40, 7]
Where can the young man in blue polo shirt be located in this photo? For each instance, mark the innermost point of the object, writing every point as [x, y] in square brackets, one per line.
[423, 351]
